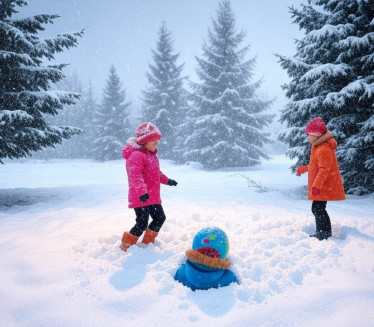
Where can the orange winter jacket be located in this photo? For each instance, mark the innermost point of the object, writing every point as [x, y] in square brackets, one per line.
[323, 170]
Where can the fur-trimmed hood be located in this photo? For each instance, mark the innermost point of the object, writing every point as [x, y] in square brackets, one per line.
[217, 263]
[328, 137]
[131, 146]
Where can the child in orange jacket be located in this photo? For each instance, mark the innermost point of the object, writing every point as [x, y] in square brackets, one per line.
[324, 180]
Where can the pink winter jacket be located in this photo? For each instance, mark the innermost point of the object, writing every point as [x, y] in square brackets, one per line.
[143, 174]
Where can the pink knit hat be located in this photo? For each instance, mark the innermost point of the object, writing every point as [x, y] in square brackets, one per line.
[316, 127]
[147, 132]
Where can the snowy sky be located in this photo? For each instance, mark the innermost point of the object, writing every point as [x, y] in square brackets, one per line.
[123, 32]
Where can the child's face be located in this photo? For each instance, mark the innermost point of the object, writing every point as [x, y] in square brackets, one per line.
[312, 138]
[152, 145]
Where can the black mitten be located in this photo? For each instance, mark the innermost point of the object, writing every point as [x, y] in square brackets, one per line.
[172, 182]
[144, 197]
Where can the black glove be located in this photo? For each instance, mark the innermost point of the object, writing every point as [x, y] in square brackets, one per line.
[172, 182]
[144, 197]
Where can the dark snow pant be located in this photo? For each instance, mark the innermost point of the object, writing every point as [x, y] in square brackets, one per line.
[323, 222]
[142, 217]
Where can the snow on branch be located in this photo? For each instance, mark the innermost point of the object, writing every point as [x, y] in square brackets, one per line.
[369, 164]
[48, 47]
[293, 63]
[338, 99]
[45, 101]
[258, 186]
[15, 33]
[326, 69]
[358, 42]
[8, 116]
[340, 31]
[306, 104]
[21, 57]
[34, 24]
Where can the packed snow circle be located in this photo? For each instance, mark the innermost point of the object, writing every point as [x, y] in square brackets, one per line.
[61, 224]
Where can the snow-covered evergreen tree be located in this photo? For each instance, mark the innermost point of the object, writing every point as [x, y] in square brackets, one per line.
[111, 122]
[333, 77]
[224, 129]
[164, 101]
[70, 116]
[25, 80]
[81, 115]
[89, 107]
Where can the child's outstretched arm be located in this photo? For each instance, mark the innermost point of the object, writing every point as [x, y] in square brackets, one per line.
[301, 170]
[163, 178]
[166, 180]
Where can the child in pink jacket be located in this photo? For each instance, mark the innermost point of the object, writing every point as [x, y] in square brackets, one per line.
[145, 178]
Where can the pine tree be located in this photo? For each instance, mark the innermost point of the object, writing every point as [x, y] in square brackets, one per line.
[89, 107]
[224, 129]
[164, 102]
[81, 115]
[25, 95]
[70, 116]
[111, 123]
[333, 78]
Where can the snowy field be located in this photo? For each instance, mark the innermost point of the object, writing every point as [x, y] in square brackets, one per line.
[61, 224]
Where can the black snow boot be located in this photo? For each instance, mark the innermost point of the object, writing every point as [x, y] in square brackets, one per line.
[321, 235]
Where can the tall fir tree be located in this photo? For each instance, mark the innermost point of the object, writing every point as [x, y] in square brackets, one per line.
[80, 115]
[165, 100]
[25, 95]
[111, 122]
[70, 116]
[333, 77]
[226, 121]
[89, 107]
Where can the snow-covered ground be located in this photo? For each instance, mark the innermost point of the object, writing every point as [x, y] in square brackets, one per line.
[61, 224]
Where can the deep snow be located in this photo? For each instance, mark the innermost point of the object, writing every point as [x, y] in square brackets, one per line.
[61, 223]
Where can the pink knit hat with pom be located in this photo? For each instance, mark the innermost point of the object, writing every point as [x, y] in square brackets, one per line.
[147, 132]
[316, 127]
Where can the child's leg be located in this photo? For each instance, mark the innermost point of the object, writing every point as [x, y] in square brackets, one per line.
[158, 217]
[142, 216]
[322, 218]
[130, 238]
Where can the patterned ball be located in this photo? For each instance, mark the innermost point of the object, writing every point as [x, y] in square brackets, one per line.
[211, 241]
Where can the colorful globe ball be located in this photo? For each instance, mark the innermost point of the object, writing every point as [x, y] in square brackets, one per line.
[212, 241]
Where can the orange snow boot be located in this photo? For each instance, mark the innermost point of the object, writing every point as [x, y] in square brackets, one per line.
[127, 240]
[149, 236]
